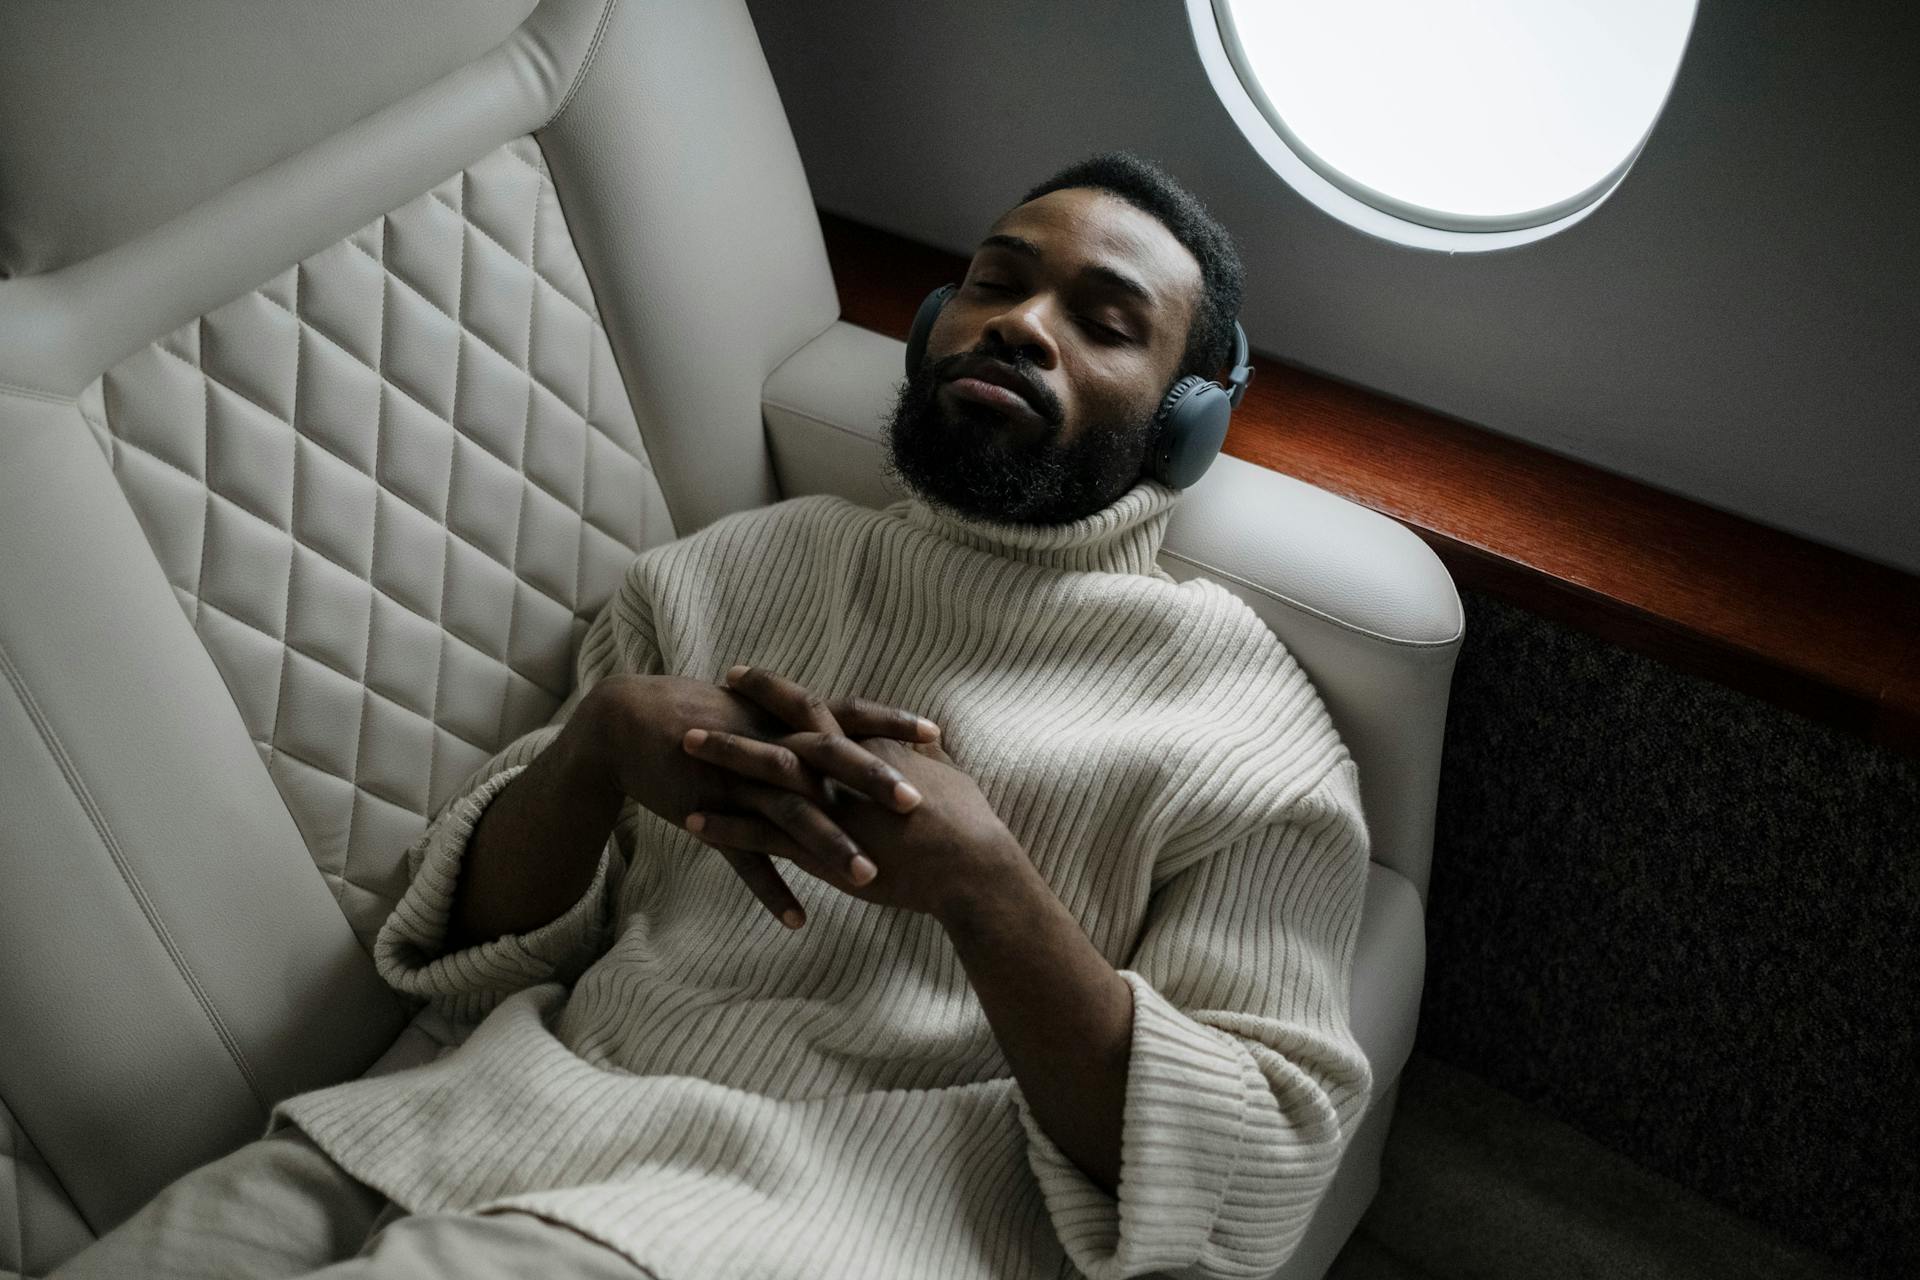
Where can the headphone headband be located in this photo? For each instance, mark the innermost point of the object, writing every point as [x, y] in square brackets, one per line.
[1242, 372]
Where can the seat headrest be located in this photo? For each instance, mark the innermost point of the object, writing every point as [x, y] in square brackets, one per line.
[116, 115]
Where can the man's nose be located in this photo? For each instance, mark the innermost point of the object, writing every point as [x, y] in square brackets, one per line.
[1027, 329]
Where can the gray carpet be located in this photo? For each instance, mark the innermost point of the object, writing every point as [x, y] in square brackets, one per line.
[1478, 1185]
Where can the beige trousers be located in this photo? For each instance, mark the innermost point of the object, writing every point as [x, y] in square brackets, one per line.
[279, 1207]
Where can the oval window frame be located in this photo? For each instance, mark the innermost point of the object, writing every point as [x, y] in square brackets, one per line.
[1363, 207]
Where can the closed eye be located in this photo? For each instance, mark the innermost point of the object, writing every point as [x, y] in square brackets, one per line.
[1106, 332]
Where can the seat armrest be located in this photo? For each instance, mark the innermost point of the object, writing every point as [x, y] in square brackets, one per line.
[1363, 604]
[826, 409]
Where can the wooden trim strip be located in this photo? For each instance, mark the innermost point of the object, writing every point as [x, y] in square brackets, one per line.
[1807, 627]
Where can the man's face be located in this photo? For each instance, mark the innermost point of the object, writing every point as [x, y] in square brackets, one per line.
[1043, 373]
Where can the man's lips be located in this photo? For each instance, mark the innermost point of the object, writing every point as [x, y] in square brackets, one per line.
[987, 375]
[988, 393]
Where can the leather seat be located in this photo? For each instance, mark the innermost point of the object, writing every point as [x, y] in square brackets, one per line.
[348, 353]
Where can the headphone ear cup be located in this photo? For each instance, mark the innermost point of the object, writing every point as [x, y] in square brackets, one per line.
[1193, 425]
[923, 325]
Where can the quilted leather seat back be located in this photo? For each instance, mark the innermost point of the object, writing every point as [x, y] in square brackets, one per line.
[390, 488]
[319, 444]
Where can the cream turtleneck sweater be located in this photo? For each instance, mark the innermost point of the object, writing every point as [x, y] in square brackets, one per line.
[670, 1071]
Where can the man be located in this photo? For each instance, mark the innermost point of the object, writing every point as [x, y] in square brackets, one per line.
[1060, 984]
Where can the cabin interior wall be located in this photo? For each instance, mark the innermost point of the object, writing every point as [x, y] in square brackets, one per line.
[1736, 323]
[1673, 915]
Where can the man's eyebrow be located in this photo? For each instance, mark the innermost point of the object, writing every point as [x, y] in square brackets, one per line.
[1027, 248]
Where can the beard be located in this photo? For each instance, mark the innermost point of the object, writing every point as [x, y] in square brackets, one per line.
[968, 458]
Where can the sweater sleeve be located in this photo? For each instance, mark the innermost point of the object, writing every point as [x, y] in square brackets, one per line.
[464, 985]
[1244, 1081]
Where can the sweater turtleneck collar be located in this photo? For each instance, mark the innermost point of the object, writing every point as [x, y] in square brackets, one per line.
[1122, 537]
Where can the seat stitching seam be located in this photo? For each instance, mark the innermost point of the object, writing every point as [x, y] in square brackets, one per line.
[640, 457]
[375, 587]
[540, 169]
[75, 783]
[526, 430]
[110, 440]
[591, 312]
[379, 434]
[533, 256]
[586, 481]
[586, 417]
[26, 392]
[546, 185]
[539, 276]
[206, 455]
[477, 337]
[317, 767]
[817, 420]
[446, 524]
[293, 522]
[592, 317]
[392, 493]
[378, 693]
[363, 887]
[580, 76]
[644, 462]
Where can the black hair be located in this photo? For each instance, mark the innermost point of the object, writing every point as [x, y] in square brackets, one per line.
[1148, 187]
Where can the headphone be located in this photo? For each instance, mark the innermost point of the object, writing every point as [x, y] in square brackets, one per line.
[1191, 423]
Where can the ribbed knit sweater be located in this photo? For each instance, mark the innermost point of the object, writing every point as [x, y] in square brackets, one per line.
[667, 1069]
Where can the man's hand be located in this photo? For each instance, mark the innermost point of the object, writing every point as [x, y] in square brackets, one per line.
[536, 847]
[942, 856]
[640, 722]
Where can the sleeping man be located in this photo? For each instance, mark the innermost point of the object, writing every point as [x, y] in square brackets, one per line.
[756, 974]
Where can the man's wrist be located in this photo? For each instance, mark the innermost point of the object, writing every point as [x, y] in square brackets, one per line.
[1002, 893]
[1062, 1014]
[589, 744]
[535, 847]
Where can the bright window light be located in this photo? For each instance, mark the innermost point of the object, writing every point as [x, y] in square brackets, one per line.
[1467, 115]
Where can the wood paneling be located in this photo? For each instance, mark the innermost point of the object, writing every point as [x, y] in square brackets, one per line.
[1809, 628]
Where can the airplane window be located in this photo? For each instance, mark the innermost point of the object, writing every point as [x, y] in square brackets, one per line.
[1469, 116]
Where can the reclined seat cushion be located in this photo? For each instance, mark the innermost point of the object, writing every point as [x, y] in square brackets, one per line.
[390, 487]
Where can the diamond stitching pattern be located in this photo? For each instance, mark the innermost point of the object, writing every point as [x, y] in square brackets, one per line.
[390, 487]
